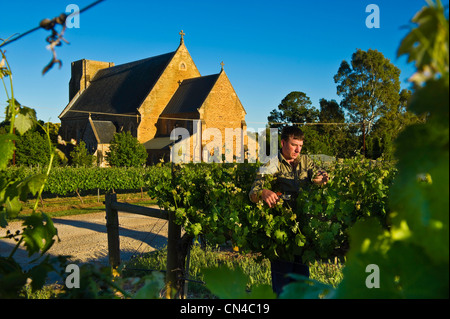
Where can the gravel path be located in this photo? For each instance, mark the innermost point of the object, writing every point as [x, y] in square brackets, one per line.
[84, 237]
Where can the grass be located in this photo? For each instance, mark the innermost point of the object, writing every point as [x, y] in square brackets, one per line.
[47, 292]
[66, 206]
[256, 268]
[258, 271]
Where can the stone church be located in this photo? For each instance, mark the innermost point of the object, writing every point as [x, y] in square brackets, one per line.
[149, 98]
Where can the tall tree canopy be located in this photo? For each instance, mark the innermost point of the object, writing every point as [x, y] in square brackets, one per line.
[369, 87]
[296, 107]
[330, 112]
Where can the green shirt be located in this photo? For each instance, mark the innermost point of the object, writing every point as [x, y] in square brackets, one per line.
[287, 179]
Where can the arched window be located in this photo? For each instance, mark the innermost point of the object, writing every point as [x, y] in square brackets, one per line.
[183, 66]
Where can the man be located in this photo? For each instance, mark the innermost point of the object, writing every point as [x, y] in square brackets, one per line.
[291, 171]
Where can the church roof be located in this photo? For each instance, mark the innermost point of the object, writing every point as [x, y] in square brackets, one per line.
[158, 143]
[104, 131]
[191, 94]
[121, 89]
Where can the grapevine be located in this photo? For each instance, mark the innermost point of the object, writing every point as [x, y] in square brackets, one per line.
[211, 201]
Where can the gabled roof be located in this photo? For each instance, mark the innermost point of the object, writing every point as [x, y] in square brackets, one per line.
[121, 89]
[191, 94]
[158, 143]
[103, 130]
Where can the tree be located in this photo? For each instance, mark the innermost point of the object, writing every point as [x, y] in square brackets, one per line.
[370, 88]
[339, 139]
[381, 140]
[53, 129]
[80, 156]
[413, 256]
[330, 112]
[296, 107]
[32, 149]
[125, 150]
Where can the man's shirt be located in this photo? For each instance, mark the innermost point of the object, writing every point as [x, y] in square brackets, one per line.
[288, 179]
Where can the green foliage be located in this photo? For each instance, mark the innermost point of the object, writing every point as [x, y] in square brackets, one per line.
[358, 189]
[370, 90]
[381, 140]
[331, 112]
[305, 289]
[200, 196]
[125, 150]
[296, 107]
[413, 255]
[369, 86]
[25, 117]
[68, 180]
[211, 200]
[100, 282]
[256, 271]
[427, 43]
[7, 148]
[235, 287]
[38, 231]
[32, 149]
[80, 156]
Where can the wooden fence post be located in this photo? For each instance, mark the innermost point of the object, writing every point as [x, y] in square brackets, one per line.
[173, 236]
[112, 228]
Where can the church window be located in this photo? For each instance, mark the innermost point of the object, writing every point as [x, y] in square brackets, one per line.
[183, 66]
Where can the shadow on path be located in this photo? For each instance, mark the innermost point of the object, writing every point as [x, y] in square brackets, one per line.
[154, 238]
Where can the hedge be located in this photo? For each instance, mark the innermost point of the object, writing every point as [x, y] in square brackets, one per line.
[68, 180]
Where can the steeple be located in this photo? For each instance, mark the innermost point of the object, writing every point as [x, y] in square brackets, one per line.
[182, 34]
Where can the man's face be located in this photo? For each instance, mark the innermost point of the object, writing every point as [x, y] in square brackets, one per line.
[291, 148]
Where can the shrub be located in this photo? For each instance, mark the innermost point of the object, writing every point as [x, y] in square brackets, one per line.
[125, 150]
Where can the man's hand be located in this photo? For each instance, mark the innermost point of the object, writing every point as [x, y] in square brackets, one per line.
[269, 197]
[321, 178]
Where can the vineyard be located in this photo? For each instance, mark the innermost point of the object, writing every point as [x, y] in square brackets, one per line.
[389, 216]
[64, 181]
[211, 201]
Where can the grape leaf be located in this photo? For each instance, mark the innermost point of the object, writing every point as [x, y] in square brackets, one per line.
[6, 149]
[25, 119]
[234, 287]
[38, 233]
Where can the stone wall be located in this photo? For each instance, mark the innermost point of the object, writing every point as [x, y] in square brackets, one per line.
[83, 71]
[181, 67]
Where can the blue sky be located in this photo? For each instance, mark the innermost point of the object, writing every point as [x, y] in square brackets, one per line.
[270, 48]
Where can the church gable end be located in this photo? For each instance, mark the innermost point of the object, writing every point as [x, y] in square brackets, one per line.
[222, 97]
[180, 67]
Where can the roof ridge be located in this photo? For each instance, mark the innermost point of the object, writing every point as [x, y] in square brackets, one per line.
[200, 77]
[198, 92]
[128, 65]
[121, 88]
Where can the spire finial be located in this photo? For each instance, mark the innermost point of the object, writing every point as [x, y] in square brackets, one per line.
[182, 34]
[222, 64]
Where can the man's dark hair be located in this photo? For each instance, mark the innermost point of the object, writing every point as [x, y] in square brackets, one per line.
[292, 131]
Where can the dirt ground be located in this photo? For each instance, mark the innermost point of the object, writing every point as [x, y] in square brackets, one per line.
[84, 237]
